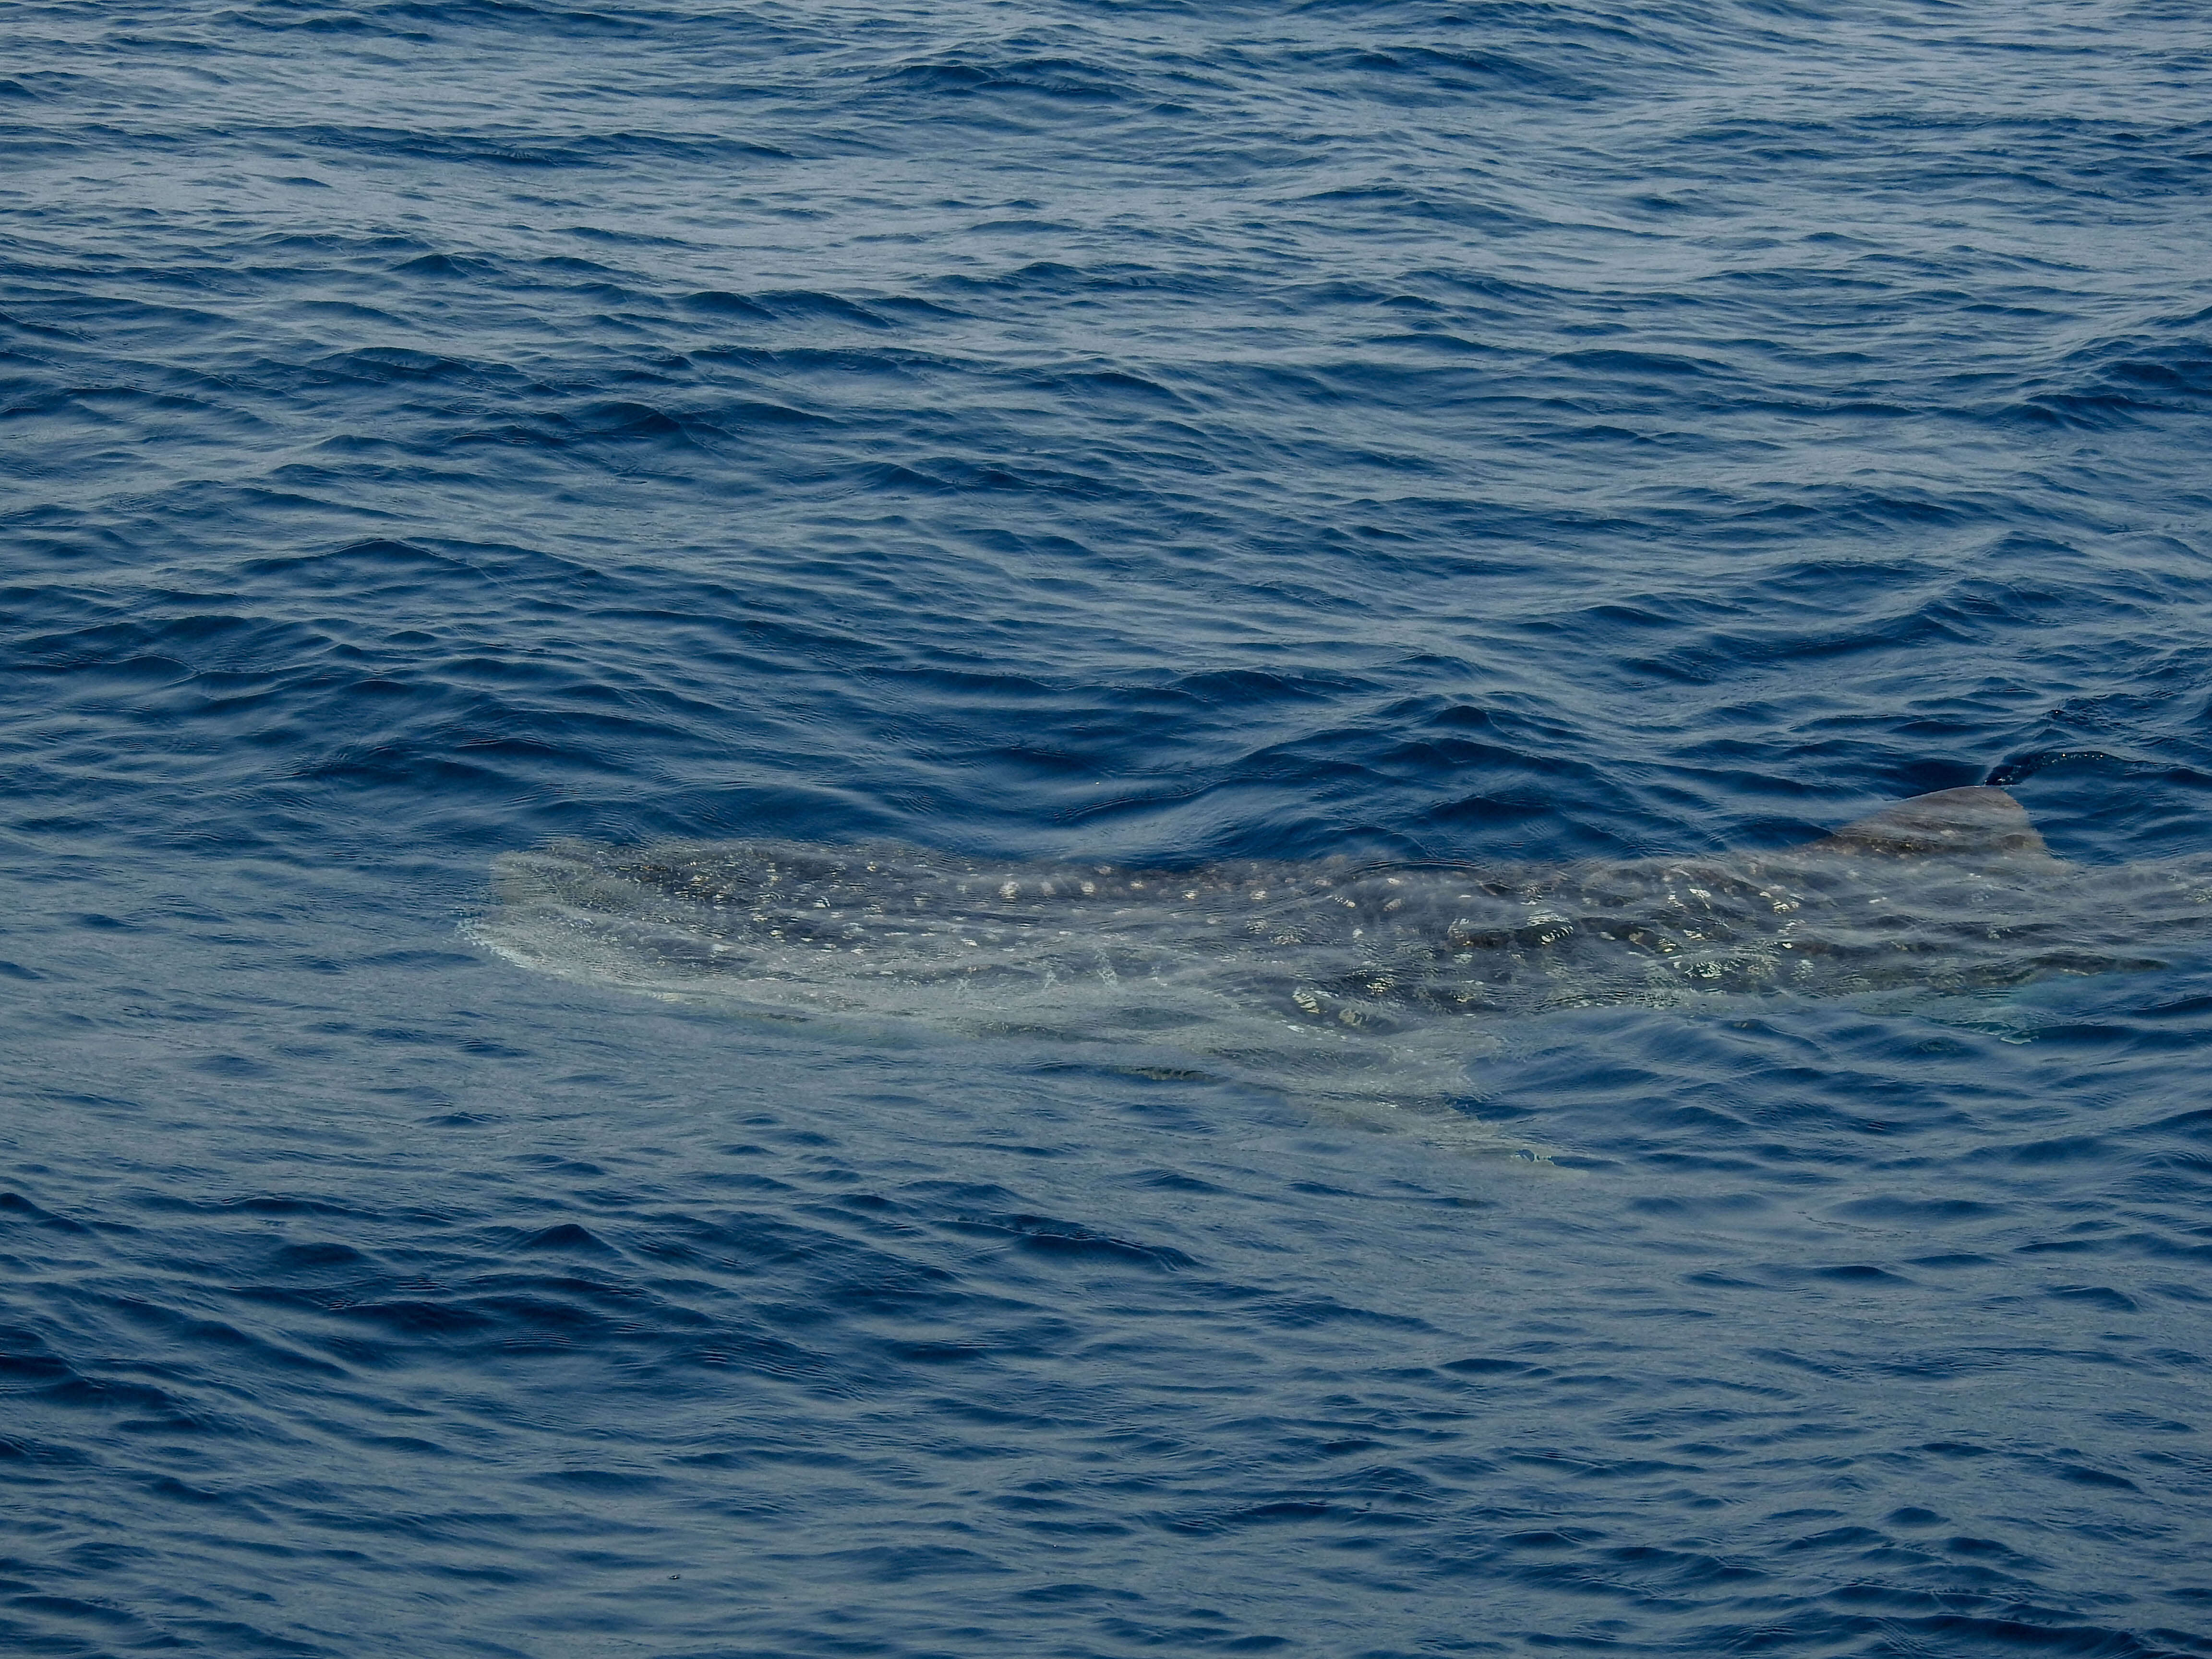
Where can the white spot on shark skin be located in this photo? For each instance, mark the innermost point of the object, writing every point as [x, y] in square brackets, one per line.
[1949, 894]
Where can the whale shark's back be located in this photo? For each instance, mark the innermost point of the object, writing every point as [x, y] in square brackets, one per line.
[1978, 822]
[1264, 969]
[1329, 979]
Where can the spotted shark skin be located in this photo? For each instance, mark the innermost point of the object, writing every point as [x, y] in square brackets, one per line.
[1343, 983]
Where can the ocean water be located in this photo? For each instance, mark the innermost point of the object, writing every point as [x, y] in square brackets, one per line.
[1466, 430]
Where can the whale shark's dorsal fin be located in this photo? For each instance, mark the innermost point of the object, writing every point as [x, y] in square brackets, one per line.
[1951, 822]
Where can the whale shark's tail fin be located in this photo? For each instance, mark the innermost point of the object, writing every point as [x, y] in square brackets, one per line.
[1978, 821]
[2020, 768]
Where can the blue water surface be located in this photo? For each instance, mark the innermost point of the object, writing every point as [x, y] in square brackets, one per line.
[1483, 430]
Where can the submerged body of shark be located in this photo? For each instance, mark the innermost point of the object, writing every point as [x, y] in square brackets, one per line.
[1343, 983]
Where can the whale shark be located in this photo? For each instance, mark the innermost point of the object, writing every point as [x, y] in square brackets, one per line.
[1361, 987]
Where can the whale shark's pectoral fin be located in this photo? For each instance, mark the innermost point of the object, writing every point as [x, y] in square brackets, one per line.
[1977, 821]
